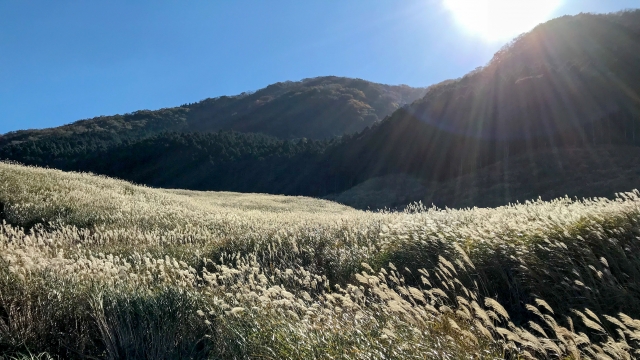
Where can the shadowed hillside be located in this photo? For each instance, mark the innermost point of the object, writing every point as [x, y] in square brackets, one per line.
[575, 172]
[571, 82]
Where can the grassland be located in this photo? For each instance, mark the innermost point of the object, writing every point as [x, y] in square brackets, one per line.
[92, 267]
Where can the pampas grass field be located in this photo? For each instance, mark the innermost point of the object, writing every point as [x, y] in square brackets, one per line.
[97, 268]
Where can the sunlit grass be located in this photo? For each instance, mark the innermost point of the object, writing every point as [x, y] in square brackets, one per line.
[91, 266]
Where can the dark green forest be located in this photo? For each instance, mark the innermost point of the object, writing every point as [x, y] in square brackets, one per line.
[316, 108]
[571, 83]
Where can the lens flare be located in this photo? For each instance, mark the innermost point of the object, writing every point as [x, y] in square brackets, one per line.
[499, 20]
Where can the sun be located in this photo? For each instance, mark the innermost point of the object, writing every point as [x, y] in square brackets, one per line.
[499, 20]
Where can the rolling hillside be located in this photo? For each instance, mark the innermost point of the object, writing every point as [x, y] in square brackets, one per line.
[92, 267]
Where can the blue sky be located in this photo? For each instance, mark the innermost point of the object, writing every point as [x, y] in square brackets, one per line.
[62, 61]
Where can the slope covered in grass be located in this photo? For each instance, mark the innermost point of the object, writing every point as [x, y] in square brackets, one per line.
[95, 267]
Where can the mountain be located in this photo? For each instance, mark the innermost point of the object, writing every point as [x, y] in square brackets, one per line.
[571, 83]
[567, 90]
[574, 79]
[316, 108]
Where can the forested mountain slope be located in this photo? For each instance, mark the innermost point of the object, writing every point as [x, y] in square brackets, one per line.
[315, 108]
[571, 82]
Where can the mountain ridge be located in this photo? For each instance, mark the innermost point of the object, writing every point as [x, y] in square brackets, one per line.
[361, 102]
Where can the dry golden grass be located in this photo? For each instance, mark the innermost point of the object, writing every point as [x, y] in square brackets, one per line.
[95, 267]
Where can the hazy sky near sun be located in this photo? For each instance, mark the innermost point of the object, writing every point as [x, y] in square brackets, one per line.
[62, 61]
